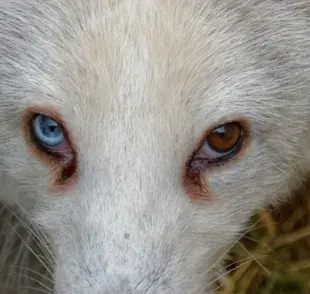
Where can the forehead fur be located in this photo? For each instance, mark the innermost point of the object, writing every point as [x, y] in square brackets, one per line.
[109, 52]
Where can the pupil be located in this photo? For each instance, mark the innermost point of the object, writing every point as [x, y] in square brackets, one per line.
[224, 138]
[50, 128]
[227, 132]
[221, 133]
[53, 129]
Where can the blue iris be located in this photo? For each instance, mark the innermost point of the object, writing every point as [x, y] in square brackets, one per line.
[47, 131]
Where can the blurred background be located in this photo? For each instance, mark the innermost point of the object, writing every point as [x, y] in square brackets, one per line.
[274, 256]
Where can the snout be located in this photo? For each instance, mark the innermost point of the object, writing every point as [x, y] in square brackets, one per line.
[130, 227]
[159, 269]
[129, 249]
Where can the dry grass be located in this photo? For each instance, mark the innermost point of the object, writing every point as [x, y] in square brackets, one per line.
[274, 257]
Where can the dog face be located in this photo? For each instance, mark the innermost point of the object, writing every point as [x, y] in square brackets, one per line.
[141, 135]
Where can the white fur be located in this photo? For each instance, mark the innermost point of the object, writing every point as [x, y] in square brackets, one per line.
[138, 82]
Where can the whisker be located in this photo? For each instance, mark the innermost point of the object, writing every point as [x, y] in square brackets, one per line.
[227, 273]
[238, 238]
[40, 238]
[35, 289]
[247, 261]
[30, 249]
[241, 260]
[251, 239]
[35, 280]
[33, 272]
[256, 260]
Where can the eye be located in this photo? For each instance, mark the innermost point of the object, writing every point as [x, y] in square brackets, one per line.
[221, 143]
[48, 136]
[46, 131]
[223, 140]
[49, 141]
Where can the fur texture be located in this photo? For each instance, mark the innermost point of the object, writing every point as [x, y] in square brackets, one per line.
[138, 82]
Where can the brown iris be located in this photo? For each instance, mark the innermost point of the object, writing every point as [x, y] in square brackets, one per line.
[224, 138]
[220, 143]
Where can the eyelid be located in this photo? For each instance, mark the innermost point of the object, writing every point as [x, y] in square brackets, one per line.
[63, 167]
[62, 152]
[205, 157]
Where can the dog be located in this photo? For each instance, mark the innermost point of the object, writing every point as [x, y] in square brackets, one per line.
[140, 135]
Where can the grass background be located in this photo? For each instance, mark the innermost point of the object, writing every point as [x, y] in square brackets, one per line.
[274, 257]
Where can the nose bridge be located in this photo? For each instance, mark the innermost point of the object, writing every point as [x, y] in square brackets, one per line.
[130, 238]
[131, 203]
[142, 173]
[138, 144]
[133, 172]
[133, 169]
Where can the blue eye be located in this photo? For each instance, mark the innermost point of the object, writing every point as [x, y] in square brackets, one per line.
[47, 131]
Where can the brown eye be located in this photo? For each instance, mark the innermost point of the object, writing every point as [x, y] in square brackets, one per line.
[224, 138]
[219, 145]
[223, 142]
